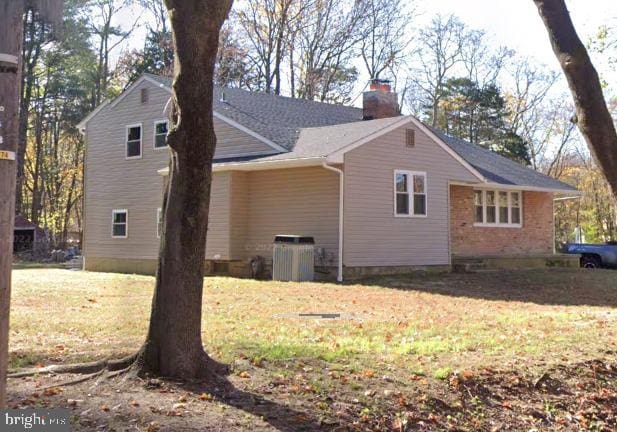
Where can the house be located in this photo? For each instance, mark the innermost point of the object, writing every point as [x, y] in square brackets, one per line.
[379, 192]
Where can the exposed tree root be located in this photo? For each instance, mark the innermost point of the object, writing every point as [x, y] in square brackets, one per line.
[91, 368]
[75, 381]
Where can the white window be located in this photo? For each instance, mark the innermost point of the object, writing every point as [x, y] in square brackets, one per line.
[497, 208]
[133, 141]
[159, 222]
[119, 223]
[409, 194]
[160, 134]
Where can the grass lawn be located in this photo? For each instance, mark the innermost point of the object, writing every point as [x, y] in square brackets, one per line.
[425, 324]
[428, 328]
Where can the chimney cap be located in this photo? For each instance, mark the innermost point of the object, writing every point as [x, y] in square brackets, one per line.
[381, 85]
[379, 81]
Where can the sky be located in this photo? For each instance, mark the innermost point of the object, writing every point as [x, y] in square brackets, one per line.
[512, 23]
[517, 24]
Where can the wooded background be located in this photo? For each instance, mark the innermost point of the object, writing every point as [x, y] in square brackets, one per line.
[450, 75]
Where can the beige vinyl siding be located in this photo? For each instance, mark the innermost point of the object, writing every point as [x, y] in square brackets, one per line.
[217, 242]
[112, 182]
[239, 218]
[302, 201]
[373, 235]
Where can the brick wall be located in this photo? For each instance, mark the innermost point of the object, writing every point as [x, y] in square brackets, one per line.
[535, 236]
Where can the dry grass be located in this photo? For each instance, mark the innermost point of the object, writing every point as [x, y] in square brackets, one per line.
[429, 324]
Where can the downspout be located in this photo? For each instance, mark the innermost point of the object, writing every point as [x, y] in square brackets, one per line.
[341, 208]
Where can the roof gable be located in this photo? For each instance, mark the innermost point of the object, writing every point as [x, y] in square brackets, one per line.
[275, 119]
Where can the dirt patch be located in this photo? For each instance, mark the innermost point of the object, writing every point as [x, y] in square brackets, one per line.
[309, 395]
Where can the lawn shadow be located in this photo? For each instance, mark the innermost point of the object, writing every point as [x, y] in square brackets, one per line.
[280, 416]
[557, 287]
[274, 414]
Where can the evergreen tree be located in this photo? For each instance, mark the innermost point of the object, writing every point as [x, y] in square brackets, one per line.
[479, 115]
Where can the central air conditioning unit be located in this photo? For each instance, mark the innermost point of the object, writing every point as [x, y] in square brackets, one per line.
[293, 258]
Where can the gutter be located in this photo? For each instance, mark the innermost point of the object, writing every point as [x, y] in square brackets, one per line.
[491, 185]
[259, 165]
[341, 208]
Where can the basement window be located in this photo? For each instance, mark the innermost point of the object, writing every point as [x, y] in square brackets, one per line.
[410, 194]
[119, 223]
[133, 141]
[220, 268]
[497, 208]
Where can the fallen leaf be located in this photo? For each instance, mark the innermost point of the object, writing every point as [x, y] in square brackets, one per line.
[368, 373]
[205, 397]
[52, 391]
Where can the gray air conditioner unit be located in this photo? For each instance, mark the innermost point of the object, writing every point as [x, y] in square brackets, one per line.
[293, 258]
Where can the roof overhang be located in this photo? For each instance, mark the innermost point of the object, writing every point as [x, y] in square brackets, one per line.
[260, 165]
[491, 185]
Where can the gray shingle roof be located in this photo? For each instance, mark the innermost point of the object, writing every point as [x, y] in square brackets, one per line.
[314, 129]
[276, 118]
[323, 141]
[499, 169]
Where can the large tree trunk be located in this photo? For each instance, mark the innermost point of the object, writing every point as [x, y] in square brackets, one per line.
[593, 117]
[173, 347]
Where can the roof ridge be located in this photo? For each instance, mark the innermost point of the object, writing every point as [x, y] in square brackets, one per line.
[167, 80]
[384, 119]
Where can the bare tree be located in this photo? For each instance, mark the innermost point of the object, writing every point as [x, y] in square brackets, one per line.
[592, 115]
[108, 37]
[385, 31]
[159, 13]
[440, 50]
[482, 63]
[266, 25]
[232, 67]
[531, 85]
[325, 46]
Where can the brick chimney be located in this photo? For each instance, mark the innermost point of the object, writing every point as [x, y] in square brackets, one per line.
[380, 101]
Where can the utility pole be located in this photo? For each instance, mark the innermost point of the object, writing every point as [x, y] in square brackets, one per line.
[11, 37]
[11, 31]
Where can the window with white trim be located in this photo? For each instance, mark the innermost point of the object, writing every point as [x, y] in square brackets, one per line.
[160, 134]
[133, 141]
[119, 223]
[497, 208]
[409, 193]
[159, 222]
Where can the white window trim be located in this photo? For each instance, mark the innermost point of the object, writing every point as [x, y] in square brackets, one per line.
[498, 224]
[126, 224]
[141, 141]
[156, 122]
[410, 194]
[159, 215]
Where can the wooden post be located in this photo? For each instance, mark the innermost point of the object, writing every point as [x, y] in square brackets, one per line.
[11, 29]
